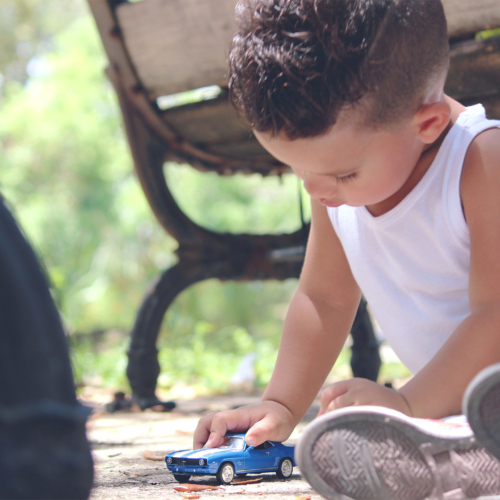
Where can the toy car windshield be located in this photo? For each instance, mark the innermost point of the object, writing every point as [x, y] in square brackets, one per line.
[233, 443]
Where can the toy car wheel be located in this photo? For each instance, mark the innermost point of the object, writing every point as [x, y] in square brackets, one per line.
[226, 473]
[182, 478]
[285, 469]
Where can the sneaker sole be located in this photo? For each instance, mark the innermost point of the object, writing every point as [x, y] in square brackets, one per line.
[371, 453]
[481, 404]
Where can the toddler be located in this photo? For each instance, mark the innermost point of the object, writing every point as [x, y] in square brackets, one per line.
[404, 184]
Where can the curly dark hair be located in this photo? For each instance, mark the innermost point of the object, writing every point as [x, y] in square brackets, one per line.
[295, 64]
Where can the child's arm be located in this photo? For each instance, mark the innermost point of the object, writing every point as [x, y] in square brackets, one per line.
[437, 390]
[316, 327]
[475, 344]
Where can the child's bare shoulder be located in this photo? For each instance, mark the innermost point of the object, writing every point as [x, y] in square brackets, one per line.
[479, 190]
[481, 170]
[484, 152]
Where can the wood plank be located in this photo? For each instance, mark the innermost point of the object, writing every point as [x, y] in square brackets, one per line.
[179, 45]
[491, 105]
[245, 149]
[470, 16]
[214, 127]
[474, 74]
[208, 122]
[474, 69]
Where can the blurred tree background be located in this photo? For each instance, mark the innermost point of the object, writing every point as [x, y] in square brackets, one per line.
[66, 171]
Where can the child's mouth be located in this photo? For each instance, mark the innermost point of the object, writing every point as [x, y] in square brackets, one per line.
[331, 204]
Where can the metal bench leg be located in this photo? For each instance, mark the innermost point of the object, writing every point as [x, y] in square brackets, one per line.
[143, 367]
[365, 360]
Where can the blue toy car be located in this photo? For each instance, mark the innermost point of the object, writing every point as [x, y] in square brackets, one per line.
[234, 457]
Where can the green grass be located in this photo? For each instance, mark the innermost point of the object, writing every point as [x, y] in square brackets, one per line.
[100, 360]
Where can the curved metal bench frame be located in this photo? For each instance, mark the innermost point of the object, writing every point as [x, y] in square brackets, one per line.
[205, 254]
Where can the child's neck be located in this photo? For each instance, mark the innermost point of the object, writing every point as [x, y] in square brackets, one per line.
[421, 167]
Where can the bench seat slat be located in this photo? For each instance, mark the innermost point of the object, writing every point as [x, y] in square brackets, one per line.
[209, 122]
[179, 45]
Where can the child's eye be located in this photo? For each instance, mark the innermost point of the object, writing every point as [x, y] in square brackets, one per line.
[345, 178]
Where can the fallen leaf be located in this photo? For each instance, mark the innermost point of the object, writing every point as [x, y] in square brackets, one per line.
[306, 497]
[192, 497]
[244, 480]
[150, 455]
[194, 487]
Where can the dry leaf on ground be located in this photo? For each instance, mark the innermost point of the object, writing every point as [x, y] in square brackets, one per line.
[182, 432]
[307, 497]
[191, 497]
[194, 487]
[150, 455]
[245, 480]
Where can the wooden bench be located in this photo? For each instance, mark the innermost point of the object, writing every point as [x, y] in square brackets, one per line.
[159, 48]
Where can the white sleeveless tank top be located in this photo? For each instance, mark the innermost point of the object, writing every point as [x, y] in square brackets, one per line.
[412, 263]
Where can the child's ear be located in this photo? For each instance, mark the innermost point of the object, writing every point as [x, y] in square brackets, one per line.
[431, 120]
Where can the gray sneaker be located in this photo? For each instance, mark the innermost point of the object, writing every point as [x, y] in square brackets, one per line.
[481, 404]
[373, 453]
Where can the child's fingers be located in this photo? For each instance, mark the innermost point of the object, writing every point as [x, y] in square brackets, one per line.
[212, 428]
[342, 401]
[223, 422]
[269, 428]
[267, 420]
[239, 420]
[202, 431]
[331, 393]
[260, 432]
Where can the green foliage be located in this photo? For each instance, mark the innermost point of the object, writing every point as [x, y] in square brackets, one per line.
[206, 368]
[26, 30]
[100, 359]
[240, 203]
[66, 169]
[188, 97]
[483, 35]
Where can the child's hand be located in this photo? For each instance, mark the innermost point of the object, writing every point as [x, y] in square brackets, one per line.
[265, 421]
[361, 392]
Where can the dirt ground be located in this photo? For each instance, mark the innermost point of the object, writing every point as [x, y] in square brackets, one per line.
[120, 442]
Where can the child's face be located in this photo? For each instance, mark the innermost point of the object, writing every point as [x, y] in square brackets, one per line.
[349, 165]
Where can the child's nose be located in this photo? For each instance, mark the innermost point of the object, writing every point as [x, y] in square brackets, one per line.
[319, 187]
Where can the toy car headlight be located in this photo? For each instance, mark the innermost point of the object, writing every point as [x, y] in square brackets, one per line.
[202, 461]
[169, 460]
